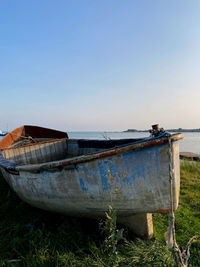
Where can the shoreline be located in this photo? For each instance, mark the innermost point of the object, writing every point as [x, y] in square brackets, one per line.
[190, 156]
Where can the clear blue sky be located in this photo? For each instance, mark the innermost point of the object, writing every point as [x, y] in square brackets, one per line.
[99, 64]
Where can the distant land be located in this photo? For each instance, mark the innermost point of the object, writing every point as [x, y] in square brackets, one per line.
[168, 130]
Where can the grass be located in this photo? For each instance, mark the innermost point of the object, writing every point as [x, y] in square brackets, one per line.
[187, 220]
[39, 238]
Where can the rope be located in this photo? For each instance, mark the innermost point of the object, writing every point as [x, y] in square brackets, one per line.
[29, 138]
[171, 229]
[182, 259]
[22, 136]
[161, 134]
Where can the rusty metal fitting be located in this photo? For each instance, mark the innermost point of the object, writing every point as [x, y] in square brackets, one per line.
[156, 130]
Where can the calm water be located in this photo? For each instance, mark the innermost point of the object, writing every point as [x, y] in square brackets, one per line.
[190, 143]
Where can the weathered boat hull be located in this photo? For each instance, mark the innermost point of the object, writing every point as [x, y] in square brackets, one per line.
[133, 179]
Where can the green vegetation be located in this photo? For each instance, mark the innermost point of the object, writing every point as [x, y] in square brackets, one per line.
[40, 238]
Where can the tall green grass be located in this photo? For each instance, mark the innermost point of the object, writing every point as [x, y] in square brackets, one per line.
[40, 238]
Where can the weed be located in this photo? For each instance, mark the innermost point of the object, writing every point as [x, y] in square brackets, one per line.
[111, 234]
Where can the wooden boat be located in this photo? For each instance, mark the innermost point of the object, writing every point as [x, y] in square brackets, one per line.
[82, 177]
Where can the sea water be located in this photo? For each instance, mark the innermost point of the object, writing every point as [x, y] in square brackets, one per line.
[190, 143]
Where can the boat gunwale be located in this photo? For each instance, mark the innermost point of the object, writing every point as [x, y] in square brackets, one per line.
[98, 155]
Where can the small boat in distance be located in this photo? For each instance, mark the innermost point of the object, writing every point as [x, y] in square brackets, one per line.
[83, 177]
[2, 133]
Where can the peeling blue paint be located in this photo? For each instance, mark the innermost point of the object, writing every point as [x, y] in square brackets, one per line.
[83, 186]
[144, 166]
[157, 158]
[128, 160]
[104, 180]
